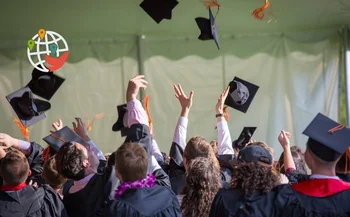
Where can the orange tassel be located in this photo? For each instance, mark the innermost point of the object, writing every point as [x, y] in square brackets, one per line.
[24, 130]
[146, 102]
[210, 4]
[259, 12]
[46, 153]
[347, 159]
[91, 120]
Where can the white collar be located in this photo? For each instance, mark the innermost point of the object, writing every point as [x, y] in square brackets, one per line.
[318, 176]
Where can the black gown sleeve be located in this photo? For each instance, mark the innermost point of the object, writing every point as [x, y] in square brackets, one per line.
[162, 178]
[295, 177]
[36, 162]
[176, 167]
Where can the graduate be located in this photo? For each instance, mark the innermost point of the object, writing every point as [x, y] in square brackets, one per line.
[19, 199]
[138, 193]
[324, 194]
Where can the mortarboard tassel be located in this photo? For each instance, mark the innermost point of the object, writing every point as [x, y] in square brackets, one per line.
[146, 101]
[335, 129]
[259, 12]
[46, 153]
[24, 130]
[91, 120]
[212, 3]
[347, 159]
[227, 115]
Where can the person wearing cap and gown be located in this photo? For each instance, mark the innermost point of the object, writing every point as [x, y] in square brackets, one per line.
[138, 123]
[19, 199]
[252, 177]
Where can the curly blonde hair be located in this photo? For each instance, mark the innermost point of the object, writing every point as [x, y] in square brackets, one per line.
[202, 183]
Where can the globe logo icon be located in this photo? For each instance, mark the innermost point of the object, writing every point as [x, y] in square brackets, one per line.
[47, 51]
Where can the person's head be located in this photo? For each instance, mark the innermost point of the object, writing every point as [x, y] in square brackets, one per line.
[198, 147]
[214, 146]
[253, 170]
[343, 165]
[14, 168]
[75, 161]
[131, 162]
[202, 183]
[298, 158]
[326, 162]
[51, 176]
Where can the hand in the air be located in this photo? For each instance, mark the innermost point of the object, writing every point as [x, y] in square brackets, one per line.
[283, 139]
[134, 85]
[220, 105]
[58, 125]
[185, 102]
[6, 141]
[80, 129]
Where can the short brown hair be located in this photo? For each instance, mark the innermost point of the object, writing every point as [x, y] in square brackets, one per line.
[51, 176]
[198, 147]
[14, 168]
[214, 146]
[131, 162]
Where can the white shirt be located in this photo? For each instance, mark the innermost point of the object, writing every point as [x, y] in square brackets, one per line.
[318, 176]
[224, 138]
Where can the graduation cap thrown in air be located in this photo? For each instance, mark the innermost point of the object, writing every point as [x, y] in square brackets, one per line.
[28, 109]
[57, 139]
[45, 84]
[328, 139]
[244, 137]
[159, 9]
[208, 29]
[122, 122]
[241, 94]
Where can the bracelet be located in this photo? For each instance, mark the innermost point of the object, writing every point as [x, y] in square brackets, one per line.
[219, 115]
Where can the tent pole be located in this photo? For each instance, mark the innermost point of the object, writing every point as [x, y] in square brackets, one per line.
[346, 45]
[140, 64]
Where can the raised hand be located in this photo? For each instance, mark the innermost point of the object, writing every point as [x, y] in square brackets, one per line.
[220, 105]
[80, 129]
[134, 85]
[283, 139]
[58, 125]
[185, 102]
[7, 141]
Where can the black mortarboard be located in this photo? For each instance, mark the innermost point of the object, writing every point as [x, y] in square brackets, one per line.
[59, 138]
[244, 137]
[28, 109]
[122, 122]
[45, 84]
[241, 94]
[159, 9]
[255, 153]
[208, 29]
[328, 139]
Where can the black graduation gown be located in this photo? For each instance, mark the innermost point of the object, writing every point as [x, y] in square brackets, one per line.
[345, 177]
[177, 172]
[158, 201]
[32, 202]
[232, 203]
[90, 200]
[314, 197]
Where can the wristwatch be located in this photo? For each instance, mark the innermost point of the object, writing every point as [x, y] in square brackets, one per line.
[219, 115]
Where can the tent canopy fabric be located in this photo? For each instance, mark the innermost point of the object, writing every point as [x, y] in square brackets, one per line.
[294, 60]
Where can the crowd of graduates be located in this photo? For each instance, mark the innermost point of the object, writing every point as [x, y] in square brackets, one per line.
[197, 178]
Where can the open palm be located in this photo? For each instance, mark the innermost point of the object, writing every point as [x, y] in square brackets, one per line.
[186, 102]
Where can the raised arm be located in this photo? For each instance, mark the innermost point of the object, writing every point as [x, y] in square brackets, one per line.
[179, 140]
[224, 137]
[288, 165]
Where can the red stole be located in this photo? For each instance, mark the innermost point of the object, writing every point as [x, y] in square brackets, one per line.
[6, 187]
[321, 187]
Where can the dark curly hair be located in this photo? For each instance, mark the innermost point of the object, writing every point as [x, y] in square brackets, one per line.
[69, 161]
[202, 184]
[298, 158]
[251, 177]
